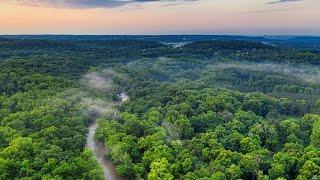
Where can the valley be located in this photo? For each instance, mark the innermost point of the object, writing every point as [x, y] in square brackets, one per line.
[128, 109]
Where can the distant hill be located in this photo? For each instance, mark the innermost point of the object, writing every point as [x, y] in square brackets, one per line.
[161, 38]
[299, 42]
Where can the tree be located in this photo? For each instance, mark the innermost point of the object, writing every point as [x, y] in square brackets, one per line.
[315, 136]
[307, 123]
[277, 171]
[160, 169]
[248, 145]
[234, 172]
[289, 131]
[309, 170]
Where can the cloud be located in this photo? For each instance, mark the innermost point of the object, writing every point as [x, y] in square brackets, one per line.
[282, 1]
[270, 10]
[86, 3]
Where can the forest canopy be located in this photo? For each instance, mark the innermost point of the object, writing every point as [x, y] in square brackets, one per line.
[223, 109]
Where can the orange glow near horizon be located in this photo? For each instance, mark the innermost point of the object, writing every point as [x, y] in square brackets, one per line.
[199, 17]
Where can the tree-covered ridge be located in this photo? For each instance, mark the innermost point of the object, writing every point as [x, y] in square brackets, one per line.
[251, 51]
[97, 52]
[298, 42]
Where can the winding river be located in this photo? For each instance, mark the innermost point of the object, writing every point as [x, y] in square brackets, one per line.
[98, 149]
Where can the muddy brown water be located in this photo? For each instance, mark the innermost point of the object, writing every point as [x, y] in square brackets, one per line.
[99, 150]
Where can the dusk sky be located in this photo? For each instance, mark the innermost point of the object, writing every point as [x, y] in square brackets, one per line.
[247, 17]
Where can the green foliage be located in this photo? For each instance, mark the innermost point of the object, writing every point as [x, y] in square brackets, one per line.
[315, 135]
[207, 110]
[160, 169]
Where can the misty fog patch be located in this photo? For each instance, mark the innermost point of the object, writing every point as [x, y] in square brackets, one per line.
[307, 73]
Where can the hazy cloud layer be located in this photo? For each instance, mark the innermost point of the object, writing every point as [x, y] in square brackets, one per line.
[283, 1]
[104, 3]
[86, 3]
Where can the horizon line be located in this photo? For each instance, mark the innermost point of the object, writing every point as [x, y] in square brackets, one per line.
[183, 34]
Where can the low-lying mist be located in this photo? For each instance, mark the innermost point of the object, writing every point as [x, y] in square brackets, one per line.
[97, 90]
[307, 73]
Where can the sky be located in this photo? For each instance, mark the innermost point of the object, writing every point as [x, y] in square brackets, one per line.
[244, 17]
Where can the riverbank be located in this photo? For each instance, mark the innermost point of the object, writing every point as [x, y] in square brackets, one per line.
[99, 150]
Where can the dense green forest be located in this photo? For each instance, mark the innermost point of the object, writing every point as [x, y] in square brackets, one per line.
[223, 109]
